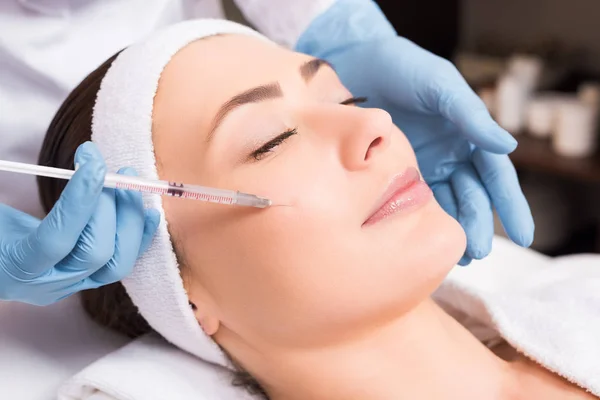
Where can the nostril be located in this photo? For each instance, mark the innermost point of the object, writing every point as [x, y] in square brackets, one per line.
[373, 144]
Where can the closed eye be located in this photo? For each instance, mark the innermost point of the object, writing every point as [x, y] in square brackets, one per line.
[268, 147]
[353, 101]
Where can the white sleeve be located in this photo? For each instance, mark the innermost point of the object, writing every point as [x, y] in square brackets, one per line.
[283, 21]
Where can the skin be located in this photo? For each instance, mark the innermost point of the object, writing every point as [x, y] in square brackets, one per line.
[311, 302]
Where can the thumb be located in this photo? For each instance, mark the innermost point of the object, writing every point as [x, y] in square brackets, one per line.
[152, 221]
[59, 232]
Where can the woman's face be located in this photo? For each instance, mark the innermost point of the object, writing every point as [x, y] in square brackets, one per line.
[309, 271]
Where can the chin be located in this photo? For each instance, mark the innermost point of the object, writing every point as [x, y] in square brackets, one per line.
[446, 243]
[451, 243]
[456, 240]
[418, 267]
[452, 236]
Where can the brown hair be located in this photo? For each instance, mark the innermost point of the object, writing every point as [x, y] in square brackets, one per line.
[109, 305]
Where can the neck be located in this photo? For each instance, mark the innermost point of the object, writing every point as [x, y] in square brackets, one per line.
[425, 354]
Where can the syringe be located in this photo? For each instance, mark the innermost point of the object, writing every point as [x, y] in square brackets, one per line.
[138, 184]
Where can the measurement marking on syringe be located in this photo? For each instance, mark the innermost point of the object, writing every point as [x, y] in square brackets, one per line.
[141, 188]
[176, 190]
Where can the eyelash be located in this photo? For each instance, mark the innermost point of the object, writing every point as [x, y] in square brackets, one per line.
[354, 100]
[266, 148]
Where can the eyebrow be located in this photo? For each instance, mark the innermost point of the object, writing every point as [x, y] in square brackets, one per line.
[309, 69]
[269, 91]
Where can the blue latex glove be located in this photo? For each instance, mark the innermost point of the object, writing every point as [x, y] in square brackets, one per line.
[91, 238]
[460, 149]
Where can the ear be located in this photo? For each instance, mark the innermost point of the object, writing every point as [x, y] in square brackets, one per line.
[209, 323]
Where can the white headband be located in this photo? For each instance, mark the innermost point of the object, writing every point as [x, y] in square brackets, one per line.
[122, 129]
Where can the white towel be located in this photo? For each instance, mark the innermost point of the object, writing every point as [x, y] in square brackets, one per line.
[149, 368]
[548, 309]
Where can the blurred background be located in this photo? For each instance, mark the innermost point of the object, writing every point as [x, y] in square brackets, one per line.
[536, 65]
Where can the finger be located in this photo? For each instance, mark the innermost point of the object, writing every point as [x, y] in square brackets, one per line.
[445, 197]
[61, 290]
[13, 257]
[58, 284]
[464, 261]
[76, 287]
[502, 184]
[474, 211]
[20, 223]
[439, 158]
[150, 228]
[459, 104]
[130, 223]
[96, 245]
[59, 232]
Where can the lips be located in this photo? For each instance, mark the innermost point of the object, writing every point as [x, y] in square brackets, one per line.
[405, 193]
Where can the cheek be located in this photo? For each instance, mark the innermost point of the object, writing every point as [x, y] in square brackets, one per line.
[259, 272]
[268, 273]
[416, 254]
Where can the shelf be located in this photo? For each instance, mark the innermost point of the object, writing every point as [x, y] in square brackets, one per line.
[536, 154]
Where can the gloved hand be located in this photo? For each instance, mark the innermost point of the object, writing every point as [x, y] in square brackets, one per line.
[91, 238]
[460, 149]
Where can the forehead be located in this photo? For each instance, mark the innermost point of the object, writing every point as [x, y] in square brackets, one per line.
[208, 72]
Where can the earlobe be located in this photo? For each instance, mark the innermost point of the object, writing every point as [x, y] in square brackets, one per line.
[210, 325]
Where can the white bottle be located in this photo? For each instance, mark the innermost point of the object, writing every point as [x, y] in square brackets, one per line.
[511, 100]
[575, 134]
[528, 69]
[541, 117]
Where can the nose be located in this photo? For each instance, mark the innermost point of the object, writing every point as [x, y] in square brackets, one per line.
[361, 134]
[371, 136]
